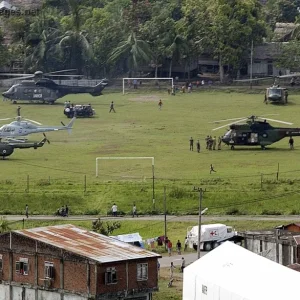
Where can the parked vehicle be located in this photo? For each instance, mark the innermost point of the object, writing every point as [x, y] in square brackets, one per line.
[212, 236]
[84, 111]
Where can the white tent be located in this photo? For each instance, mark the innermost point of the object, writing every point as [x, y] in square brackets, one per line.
[231, 272]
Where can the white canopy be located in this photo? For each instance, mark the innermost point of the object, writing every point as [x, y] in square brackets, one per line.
[231, 272]
[129, 238]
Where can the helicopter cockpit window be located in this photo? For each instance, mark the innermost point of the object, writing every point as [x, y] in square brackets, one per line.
[275, 92]
[11, 89]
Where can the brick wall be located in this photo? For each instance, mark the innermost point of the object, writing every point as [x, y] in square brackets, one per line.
[41, 270]
[75, 276]
[5, 265]
[133, 283]
[31, 269]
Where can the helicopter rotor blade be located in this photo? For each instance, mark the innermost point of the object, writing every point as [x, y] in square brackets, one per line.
[278, 121]
[225, 120]
[229, 124]
[6, 119]
[46, 138]
[35, 122]
[61, 71]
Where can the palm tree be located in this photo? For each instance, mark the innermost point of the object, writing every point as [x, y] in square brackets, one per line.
[41, 40]
[74, 45]
[133, 50]
[176, 49]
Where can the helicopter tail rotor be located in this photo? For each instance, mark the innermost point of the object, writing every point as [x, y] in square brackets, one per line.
[46, 138]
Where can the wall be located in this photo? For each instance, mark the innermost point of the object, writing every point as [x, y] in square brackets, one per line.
[284, 253]
[29, 294]
[128, 283]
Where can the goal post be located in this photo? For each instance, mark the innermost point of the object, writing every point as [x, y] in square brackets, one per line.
[161, 78]
[130, 158]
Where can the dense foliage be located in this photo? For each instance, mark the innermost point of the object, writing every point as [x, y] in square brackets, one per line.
[115, 37]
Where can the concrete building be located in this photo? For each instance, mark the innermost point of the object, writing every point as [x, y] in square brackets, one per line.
[231, 272]
[70, 263]
[278, 245]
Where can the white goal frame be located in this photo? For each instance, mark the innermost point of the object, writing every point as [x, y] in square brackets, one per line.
[144, 78]
[130, 158]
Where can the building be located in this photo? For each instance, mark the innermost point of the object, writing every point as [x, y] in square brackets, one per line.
[70, 263]
[232, 272]
[278, 245]
[293, 227]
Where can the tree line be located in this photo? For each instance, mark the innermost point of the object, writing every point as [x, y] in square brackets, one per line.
[103, 38]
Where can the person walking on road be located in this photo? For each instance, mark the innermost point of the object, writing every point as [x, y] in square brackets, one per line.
[182, 264]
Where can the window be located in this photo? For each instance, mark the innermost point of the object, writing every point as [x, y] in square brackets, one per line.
[142, 272]
[49, 270]
[1, 262]
[22, 266]
[111, 276]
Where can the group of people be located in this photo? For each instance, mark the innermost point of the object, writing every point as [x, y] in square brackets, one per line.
[63, 211]
[212, 142]
[114, 210]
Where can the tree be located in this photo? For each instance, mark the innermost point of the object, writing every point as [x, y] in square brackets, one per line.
[105, 228]
[133, 51]
[4, 225]
[74, 45]
[289, 57]
[41, 41]
[226, 28]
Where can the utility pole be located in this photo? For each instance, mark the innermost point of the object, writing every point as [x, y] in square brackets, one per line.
[165, 210]
[251, 65]
[200, 190]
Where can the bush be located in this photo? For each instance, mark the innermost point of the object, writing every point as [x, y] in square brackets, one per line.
[177, 193]
[271, 212]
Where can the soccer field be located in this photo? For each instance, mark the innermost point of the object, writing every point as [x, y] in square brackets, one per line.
[64, 170]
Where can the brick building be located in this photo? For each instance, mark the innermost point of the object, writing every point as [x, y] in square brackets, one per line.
[67, 262]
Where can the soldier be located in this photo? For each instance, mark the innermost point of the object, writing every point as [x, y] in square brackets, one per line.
[210, 143]
[198, 146]
[286, 94]
[291, 142]
[207, 142]
[214, 141]
[212, 169]
[191, 144]
[219, 143]
[19, 111]
[112, 107]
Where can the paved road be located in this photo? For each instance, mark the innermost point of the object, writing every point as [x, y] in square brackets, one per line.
[165, 261]
[161, 218]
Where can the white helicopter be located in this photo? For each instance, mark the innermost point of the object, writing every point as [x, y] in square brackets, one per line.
[23, 127]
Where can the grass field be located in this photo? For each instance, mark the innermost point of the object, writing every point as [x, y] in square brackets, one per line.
[64, 171]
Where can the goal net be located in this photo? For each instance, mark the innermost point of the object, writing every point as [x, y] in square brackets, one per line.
[143, 84]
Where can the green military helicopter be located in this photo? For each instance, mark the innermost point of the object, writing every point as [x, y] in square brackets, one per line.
[255, 132]
[7, 148]
[41, 89]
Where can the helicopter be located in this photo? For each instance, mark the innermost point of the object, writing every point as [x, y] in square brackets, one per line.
[42, 89]
[255, 132]
[275, 93]
[7, 148]
[22, 127]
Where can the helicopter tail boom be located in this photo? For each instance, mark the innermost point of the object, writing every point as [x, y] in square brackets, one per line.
[70, 125]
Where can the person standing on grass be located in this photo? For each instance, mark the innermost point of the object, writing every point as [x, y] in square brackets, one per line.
[114, 210]
[172, 268]
[112, 107]
[134, 212]
[178, 247]
[26, 211]
[191, 144]
[198, 146]
[160, 104]
[169, 246]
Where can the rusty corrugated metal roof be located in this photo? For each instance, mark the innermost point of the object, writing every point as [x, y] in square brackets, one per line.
[86, 243]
